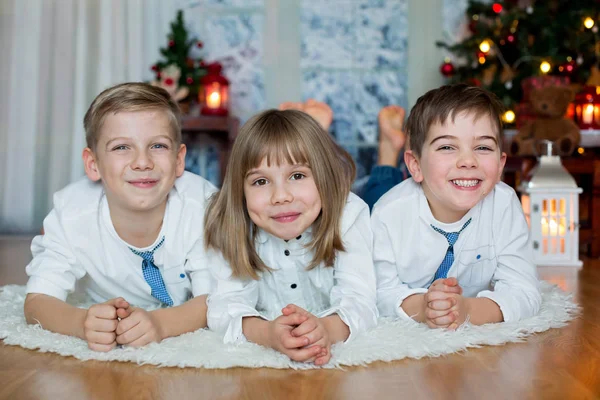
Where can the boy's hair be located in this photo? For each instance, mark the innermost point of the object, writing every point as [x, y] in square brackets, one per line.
[279, 136]
[437, 105]
[130, 97]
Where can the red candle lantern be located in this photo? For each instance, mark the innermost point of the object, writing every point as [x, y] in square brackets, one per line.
[214, 92]
[587, 108]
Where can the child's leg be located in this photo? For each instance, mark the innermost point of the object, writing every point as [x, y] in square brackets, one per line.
[320, 111]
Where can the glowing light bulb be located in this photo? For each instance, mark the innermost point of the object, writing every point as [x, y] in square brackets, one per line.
[545, 67]
[509, 116]
[588, 23]
[485, 46]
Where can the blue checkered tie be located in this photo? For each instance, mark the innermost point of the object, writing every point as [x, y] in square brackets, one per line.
[452, 237]
[152, 274]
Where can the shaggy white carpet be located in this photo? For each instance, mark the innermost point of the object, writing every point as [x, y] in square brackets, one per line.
[391, 340]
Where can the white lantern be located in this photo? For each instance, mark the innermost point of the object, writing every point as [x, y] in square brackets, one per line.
[550, 202]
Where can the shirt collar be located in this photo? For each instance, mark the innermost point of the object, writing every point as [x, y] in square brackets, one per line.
[262, 235]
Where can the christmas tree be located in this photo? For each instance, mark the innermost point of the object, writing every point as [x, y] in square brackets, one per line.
[513, 40]
[178, 53]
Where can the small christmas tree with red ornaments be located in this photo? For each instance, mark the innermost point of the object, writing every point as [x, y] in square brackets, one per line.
[178, 71]
[512, 42]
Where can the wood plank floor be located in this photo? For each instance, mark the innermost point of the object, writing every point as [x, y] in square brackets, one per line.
[558, 364]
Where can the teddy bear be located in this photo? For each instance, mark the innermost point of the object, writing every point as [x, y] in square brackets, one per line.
[169, 79]
[549, 105]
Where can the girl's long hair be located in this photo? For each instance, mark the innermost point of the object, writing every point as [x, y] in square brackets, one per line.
[279, 136]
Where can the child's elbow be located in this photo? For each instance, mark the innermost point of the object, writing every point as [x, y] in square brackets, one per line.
[30, 307]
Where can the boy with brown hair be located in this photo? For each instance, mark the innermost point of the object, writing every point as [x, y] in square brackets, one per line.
[451, 243]
[130, 233]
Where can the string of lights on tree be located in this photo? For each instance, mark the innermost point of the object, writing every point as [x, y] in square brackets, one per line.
[513, 40]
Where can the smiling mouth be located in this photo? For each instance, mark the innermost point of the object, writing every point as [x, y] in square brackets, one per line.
[286, 217]
[144, 183]
[466, 183]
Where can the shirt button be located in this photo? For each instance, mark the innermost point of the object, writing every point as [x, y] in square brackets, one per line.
[293, 286]
[299, 237]
[182, 275]
[287, 252]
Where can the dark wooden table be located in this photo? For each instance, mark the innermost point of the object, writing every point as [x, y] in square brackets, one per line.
[212, 130]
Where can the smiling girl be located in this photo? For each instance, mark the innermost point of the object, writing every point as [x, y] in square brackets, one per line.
[299, 273]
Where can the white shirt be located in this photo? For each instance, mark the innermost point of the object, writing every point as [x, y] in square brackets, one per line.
[493, 258]
[80, 246]
[347, 288]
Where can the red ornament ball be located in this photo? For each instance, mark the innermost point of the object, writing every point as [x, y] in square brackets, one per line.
[169, 81]
[199, 44]
[447, 69]
[158, 75]
[510, 38]
[497, 7]
[171, 43]
[189, 80]
[154, 68]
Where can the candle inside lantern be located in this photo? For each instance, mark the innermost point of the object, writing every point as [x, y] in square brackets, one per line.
[551, 226]
[214, 99]
[587, 115]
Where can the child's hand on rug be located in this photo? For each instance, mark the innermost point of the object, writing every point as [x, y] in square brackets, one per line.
[438, 303]
[314, 329]
[138, 328]
[460, 310]
[100, 324]
[282, 340]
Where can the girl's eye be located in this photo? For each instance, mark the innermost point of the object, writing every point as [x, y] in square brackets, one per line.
[121, 147]
[259, 182]
[297, 176]
[159, 146]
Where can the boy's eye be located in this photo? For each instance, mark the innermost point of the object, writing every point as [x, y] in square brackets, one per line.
[159, 146]
[297, 176]
[445, 148]
[120, 147]
[484, 148]
[259, 182]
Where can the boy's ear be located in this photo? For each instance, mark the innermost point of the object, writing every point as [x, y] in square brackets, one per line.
[180, 162]
[90, 165]
[501, 166]
[414, 166]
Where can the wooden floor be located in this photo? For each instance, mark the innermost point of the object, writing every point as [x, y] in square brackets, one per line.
[558, 364]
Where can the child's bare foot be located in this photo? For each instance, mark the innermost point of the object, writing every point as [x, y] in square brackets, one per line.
[320, 111]
[292, 105]
[391, 135]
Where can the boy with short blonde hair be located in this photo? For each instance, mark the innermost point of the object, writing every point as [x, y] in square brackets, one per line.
[130, 233]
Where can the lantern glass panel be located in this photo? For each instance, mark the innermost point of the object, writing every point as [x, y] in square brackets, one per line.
[544, 207]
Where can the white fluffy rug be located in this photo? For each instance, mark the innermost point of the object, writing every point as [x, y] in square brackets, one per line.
[391, 340]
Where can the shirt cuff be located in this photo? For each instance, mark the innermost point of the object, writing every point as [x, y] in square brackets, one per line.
[399, 310]
[36, 284]
[235, 332]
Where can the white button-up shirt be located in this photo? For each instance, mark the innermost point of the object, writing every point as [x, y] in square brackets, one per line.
[347, 288]
[493, 258]
[80, 247]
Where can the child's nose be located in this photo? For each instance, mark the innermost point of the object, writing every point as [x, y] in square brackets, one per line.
[467, 160]
[142, 161]
[281, 194]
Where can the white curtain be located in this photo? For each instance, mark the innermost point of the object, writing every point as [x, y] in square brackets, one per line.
[57, 55]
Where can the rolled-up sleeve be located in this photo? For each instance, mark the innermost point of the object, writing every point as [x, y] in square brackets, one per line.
[353, 296]
[391, 290]
[230, 300]
[515, 281]
[53, 270]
